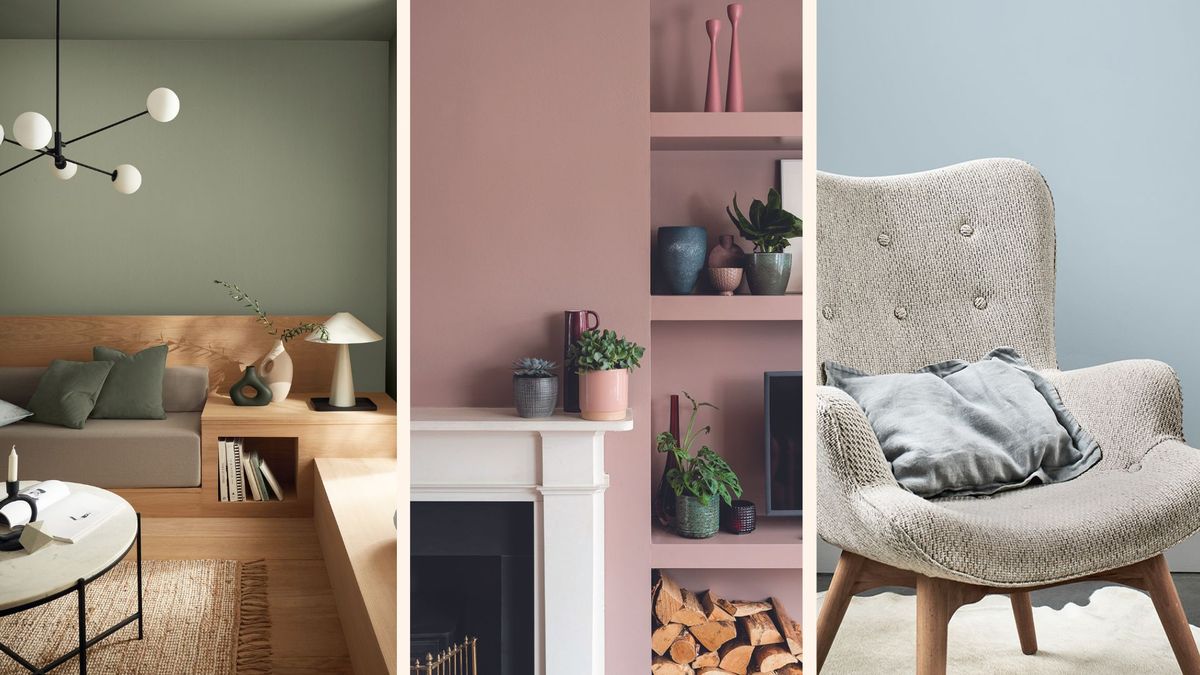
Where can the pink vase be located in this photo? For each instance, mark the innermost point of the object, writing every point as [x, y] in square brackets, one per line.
[726, 253]
[734, 101]
[712, 95]
[604, 394]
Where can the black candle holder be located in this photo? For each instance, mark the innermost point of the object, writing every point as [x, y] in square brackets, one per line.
[12, 540]
[739, 517]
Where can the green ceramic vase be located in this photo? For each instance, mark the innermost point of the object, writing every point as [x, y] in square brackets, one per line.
[695, 520]
[768, 273]
[250, 378]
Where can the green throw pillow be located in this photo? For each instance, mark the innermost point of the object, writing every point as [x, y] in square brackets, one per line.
[67, 392]
[134, 388]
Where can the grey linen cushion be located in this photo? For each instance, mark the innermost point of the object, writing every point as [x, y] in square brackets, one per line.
[958, 428]
[10, 413]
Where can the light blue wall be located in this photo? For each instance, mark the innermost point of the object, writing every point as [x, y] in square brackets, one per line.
[1102, 95]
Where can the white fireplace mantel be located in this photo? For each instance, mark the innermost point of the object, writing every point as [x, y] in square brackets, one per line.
[491, 454]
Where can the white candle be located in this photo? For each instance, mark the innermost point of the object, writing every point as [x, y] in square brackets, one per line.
[12, 464]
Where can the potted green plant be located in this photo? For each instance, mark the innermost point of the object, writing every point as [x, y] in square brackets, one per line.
[276, 365]
[769, 227]
[700, 481]
[535, 387]
[604, 360]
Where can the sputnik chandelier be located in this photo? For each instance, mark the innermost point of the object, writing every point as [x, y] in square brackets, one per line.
[33, 131]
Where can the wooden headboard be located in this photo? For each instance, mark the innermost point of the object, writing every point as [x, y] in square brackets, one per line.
[223, 343]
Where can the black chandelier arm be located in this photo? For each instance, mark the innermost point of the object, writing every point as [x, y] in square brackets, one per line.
[57, 60]
[111, 174]
[40, 152]
[14, 168]
[106, 128]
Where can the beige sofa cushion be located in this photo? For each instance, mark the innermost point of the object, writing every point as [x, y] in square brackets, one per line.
[111, 453]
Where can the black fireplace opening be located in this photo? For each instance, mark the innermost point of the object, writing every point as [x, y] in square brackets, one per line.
[472, 575]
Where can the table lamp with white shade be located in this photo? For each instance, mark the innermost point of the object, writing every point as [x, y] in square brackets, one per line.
[343, 330]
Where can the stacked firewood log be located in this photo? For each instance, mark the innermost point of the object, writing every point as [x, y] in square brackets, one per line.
[703, 634]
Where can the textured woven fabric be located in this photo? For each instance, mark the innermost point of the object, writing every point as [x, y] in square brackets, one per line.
[1140, 499]
[934, 266]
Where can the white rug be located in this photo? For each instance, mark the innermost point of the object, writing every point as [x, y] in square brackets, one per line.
[1116, 632]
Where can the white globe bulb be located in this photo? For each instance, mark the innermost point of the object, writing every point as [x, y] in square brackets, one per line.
[162, 104]
[65, 173]
[1, 131]
[33, 130]
[128, 179]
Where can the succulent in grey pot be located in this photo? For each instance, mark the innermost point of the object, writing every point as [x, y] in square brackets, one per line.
[701, 481]
[770, 227]
[535, 387]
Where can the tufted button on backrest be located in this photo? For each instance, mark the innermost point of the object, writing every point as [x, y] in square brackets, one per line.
[893, 255]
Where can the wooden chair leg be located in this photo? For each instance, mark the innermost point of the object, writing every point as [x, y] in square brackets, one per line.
[1023, 613]
[837, 599]
[936, 601]
[1170, 612]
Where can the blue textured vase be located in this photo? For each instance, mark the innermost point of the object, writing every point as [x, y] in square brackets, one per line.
[681, 252]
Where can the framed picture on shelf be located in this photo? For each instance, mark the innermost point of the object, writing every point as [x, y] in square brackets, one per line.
[790, 192]
[782, 401]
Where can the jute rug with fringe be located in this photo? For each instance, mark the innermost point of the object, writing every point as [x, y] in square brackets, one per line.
[201, 616]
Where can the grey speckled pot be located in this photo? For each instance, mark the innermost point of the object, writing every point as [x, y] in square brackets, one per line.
[535, 396]
[768, 273]
[681, 251]
[695, 520]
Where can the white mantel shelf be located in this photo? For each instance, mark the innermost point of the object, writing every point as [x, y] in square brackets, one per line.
[506, 419]
[557, 463]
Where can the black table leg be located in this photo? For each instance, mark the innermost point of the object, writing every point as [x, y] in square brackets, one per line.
[80, 589]
[139, 573]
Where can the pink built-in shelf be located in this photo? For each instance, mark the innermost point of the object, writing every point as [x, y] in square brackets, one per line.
[775, 544]
[726, 307]
[726, 131]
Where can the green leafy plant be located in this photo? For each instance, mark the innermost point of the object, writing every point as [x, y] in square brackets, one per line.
[533, 367]
[704, 475]
[769, 225]
[605, 350]
[251, 304]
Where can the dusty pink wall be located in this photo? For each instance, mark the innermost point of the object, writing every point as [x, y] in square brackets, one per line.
[769, 35]
[530, 195]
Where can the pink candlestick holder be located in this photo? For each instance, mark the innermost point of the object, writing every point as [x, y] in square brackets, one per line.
[734, 99]
[712, 95]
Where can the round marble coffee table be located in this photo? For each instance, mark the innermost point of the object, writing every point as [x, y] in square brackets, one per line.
[29, 580]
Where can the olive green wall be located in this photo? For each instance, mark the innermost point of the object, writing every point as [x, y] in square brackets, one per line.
[274, 175]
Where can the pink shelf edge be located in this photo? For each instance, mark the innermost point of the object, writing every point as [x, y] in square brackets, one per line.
[726, 125]
[727, 308]
[776, 544]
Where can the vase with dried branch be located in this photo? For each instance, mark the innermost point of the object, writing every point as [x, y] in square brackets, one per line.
[275, 367]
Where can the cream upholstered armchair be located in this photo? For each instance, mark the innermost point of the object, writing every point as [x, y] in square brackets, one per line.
[926, 267]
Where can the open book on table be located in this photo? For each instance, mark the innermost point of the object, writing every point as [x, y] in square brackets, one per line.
[64, 515]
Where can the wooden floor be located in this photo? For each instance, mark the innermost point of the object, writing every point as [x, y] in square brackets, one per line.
[306, 637]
